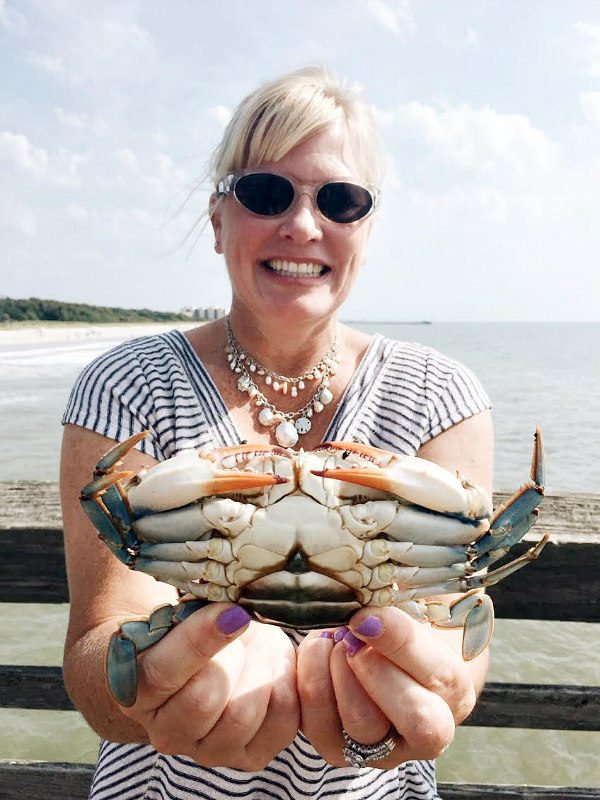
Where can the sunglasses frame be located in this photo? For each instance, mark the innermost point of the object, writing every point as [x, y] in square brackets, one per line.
[226, 186]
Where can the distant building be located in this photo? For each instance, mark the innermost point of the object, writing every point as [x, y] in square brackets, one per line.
[206, 313]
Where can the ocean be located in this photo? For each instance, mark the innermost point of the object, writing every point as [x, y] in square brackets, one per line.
[545, 374]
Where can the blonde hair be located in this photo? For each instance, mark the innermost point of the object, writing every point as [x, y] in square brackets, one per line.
[283, 113]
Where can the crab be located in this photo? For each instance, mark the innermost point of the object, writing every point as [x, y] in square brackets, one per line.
[305, 539]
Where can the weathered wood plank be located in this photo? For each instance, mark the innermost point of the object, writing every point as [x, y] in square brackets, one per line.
[29, 504]
[36, 504]
[464, 791]
[538, 706]
[566, 517]
[563, 584]
[501, 705]
[33, 687]
[32, 567]
[53, 781]
[45, 781]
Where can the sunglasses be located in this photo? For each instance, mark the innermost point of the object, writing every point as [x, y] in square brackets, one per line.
[269, 195]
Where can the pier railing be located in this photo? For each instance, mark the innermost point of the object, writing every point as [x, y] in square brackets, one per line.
[563, 585]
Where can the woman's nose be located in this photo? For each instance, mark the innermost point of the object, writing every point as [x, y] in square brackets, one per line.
[302, 222]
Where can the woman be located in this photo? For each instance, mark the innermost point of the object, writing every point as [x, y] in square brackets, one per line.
[227, 707]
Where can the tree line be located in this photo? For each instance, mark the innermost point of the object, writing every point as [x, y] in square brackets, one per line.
[33, 308]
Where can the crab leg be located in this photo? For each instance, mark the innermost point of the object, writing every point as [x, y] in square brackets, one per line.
[135, 637]
[497, 575]
[512, 520]
[103, 502]
[474, 612]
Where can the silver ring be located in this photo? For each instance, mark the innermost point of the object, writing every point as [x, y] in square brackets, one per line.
[359, 755]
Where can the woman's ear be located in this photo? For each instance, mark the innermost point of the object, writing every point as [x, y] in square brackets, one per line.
[215, 220]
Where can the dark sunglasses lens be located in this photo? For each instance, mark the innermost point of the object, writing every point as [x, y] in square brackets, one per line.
[344, 202]
[264, 194]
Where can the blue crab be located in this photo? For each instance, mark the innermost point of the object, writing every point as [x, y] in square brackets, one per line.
[305, 539]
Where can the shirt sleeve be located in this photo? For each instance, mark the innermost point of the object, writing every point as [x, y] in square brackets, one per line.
[453, 394]
[112, 397]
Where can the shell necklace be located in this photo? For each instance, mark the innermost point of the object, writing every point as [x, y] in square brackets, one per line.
[288, 426]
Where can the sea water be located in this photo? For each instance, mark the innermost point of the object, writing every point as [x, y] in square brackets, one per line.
[535, 373]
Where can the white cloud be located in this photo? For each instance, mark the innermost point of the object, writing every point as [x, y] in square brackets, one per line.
[96, 48]
[70, 120]
[221, 114]
[60, 169]
[52, 64]
[481, 138]
[11, 20]
[127, 158]
[78, 212]
[481, 205]
[471, 39]
[394, 15]
[165, 176]
[590, 103]
[590, 34]
[18, 217]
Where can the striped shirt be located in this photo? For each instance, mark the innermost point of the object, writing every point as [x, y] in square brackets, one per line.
[401, 396]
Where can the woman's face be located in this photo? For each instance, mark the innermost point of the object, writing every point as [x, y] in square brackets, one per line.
[256, 247]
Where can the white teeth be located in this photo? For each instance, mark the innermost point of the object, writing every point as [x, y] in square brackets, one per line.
[306, 269]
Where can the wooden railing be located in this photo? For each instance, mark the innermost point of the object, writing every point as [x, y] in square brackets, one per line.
[564, 584]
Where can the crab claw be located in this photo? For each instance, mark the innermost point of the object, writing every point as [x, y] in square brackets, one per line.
[98, 486]
[117, 453]
[537, 461]
[191, 476]
[415, 480]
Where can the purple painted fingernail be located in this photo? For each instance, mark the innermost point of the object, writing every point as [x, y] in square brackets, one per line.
[340, 633]
[326, 635]
[232, 619]
[352, 643]
[370, 626]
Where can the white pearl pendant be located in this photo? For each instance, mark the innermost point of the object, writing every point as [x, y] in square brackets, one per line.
[325, 396]
[318, 407]
[266, 417]
[286, 434]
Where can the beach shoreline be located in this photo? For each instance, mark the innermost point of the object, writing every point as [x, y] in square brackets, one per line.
[24, 333]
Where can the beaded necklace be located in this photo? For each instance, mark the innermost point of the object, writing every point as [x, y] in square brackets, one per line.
[288, 426]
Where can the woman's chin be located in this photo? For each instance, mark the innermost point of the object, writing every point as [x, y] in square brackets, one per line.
[287, 294]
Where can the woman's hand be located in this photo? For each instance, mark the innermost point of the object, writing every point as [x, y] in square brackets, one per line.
[388, 670]
[219, 689]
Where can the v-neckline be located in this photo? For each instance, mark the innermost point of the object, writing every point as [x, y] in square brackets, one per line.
[231, 434]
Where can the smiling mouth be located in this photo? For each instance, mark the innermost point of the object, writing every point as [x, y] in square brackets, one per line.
[294, 269]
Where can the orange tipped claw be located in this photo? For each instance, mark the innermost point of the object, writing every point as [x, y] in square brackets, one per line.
[374, 478]
[235, 481]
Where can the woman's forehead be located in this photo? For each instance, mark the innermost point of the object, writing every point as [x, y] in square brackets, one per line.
[326, 154]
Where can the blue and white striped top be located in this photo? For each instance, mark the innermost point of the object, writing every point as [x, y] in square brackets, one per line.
[401, 396]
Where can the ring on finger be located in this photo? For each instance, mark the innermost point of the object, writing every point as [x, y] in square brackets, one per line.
[360, 755]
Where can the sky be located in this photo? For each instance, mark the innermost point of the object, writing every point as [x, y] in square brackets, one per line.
[489, 111]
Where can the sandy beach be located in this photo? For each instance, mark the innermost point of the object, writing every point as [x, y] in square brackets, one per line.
[59, 332]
